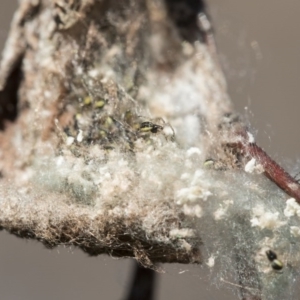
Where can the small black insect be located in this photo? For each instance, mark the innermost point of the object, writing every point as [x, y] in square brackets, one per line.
[150, 127]
[276, 264]
[271, 255]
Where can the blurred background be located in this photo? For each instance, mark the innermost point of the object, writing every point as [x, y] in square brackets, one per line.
[259, 47]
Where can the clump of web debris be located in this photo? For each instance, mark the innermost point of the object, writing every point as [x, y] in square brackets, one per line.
[115, 181]
[119, 183]
[176, 195]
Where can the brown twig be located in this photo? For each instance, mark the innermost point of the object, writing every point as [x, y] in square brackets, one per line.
[272, 170]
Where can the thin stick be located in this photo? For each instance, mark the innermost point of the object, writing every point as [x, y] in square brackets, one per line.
[272, 170]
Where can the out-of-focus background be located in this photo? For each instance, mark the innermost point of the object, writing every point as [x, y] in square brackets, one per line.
[259, 46]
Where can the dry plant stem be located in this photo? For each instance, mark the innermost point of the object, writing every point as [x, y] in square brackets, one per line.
[272, 170]
[275, 172]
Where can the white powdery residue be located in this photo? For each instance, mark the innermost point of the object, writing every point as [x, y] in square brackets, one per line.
[79, 136]
[182, 233]
[79, 70]
[228, 202]
[250, 165]
[220, 213]
[205, 195]
[168, 131]
[193, 150]
[91, 83]
[292, 208]
[250, 137]
[211, 261]
[94, 73]
[69, 141]
[193, 210]
[47, 94]
[191, 194]
[59, 161]
[188, 164]
[265, 219]
[198, 177]
[182, 196]
[295, 231]
[186, 245]
[185, 176]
